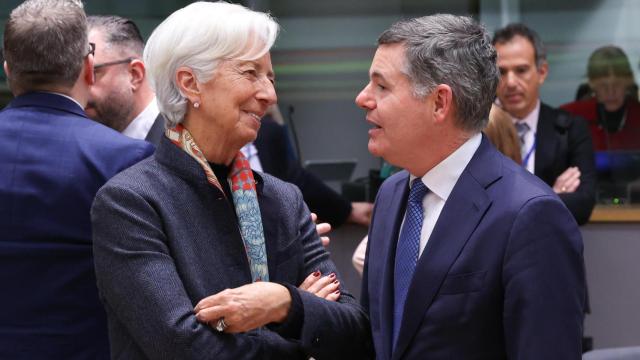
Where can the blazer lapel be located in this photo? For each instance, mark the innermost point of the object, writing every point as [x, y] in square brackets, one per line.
[389, 233]
[465, 207]
[269, 225]
[545, 142]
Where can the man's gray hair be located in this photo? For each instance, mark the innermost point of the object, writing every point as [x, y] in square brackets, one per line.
[45, 43]
[119, 32]
[451, 50]
[200, 36]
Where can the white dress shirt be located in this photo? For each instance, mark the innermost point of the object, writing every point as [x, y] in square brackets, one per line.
[251, 153]
[530, 136]
[141, 125]
[440, 181]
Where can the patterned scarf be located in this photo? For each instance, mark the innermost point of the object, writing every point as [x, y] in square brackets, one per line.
[245, 200]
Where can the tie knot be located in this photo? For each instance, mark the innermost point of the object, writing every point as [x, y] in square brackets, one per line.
[522, 128]
[418, 190]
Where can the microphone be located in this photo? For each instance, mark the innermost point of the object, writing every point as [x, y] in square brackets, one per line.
[294, 133]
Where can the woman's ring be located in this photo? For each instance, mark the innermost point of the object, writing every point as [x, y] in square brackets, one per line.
[221, 325]
[564, 189]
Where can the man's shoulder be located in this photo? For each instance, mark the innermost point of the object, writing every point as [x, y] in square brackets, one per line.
[562, 119]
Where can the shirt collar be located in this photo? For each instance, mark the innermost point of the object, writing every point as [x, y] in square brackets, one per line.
[443, 177]
[141, 124]
[532, 118]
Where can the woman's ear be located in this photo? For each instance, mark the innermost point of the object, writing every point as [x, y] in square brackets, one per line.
[188, 84]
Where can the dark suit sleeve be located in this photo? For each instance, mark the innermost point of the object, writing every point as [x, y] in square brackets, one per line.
[129, 244]
[544, 283]
[582, 201]
[330, 330]
[274, 150]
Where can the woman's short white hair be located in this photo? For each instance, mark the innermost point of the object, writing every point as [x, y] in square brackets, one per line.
[199, 36]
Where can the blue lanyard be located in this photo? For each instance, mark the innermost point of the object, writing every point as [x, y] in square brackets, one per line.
[528, 155]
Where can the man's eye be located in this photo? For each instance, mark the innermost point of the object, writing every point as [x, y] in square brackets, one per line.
[381, 87]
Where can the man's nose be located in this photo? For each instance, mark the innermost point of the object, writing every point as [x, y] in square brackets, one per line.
[364, 99]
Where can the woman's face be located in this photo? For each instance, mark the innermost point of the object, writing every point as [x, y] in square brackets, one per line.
[237, 96]
[611, 91]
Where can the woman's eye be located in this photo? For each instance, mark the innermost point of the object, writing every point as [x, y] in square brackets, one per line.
[251, 72]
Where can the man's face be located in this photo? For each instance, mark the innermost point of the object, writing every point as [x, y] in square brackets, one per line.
[111, 97]
[520, 78]
[401, 122]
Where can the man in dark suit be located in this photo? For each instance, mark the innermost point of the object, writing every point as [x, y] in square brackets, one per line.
[556, 146]
[122, 97]
[469, 255]
[275, 157]
[54, 160]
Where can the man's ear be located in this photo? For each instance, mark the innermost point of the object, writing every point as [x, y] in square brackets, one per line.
[443, 102]
[543, 71]
[6, 69]
[88, 71]
[137, 71]
[188, 84]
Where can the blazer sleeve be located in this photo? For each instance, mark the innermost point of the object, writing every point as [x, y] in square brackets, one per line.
[330, 330]
[580, 147]
[131, 257]
[544, 283]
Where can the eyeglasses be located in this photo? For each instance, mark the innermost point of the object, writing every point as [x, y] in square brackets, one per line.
[111, 63]
[92, 49]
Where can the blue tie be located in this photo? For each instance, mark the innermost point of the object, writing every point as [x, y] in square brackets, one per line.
[407, 251]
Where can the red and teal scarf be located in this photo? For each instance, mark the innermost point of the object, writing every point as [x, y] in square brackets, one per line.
[245, 199]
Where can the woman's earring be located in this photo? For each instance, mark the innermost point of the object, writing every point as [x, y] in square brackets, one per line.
[196, 104]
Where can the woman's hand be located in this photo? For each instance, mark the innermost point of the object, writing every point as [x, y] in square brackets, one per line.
[246, 307]
[327, 287]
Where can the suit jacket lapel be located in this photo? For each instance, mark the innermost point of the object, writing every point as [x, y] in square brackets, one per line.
[386, 237]
[465, 207]
[545, 141]
[270, 227]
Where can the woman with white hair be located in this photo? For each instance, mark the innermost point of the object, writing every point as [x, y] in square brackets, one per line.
[196, 255]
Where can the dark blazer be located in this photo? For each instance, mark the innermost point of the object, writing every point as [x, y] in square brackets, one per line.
[500, 277]
[157, 130]
[277, 159]
[562, 141]
[164, 239]
[54, 159]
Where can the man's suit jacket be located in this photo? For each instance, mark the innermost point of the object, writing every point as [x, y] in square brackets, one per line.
[156, 131]
[562, 141]
[164, 238]
[54, 160]
[276, 157]
[501, 275]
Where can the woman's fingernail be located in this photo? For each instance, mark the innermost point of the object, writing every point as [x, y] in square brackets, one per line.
[332, 275]
[337, 292]
[336, 282]
[316, 273]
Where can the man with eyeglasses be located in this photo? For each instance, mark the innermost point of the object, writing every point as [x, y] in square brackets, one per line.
[54, 160]
[121, 97]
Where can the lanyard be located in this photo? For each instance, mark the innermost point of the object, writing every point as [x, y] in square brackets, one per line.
[525, 161]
